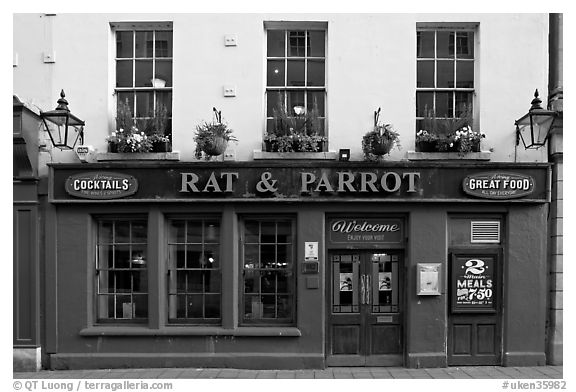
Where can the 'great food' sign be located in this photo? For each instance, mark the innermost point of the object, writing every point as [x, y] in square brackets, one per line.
[97, 185]
[498, 185]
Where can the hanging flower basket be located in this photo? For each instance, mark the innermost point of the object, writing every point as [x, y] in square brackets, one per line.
[216, 146]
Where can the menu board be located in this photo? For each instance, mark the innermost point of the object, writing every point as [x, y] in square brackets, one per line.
[473, 284]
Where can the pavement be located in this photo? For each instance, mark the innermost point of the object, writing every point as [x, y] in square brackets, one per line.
[466, 372]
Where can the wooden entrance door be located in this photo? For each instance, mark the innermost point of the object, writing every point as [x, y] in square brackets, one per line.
[365, 320]
[474, 327]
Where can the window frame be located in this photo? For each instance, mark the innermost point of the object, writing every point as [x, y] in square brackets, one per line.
[98, 219]
[135, 27]
[285, 89]
[188, 219]
[451, 28]
[293, 293]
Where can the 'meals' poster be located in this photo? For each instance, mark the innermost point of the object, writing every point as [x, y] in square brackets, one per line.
[473, 284]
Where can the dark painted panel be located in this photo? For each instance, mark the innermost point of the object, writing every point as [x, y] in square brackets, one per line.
[24, 276]
[386, 339]
[486, 338]
[346, 339]
[462, 339]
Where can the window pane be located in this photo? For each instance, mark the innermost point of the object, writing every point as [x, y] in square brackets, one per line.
[124, 73]
[425, 74]
[163, 44]
[463, 103]
[122, 232]
[425, 44]
[316, 98]
[144, 44]
[268, 232]
[275, 73]
[194, 256]
[444, 105]
[465, 45]
[211, 256]
[251, 256]
[273, 99]
[268, 256]
[284, 256]
[424, 103]
[275, 43]
[164, 98]
[251, 281]
[252, 231]
[445, 42]
[315, 73]
[127, 98]
[212, 281]
[105, 232]
[317, 43]
[296, 43]
[295, 98]
[212, 306]
[139, 233]
[268, 282]
[445, 75]
[295, 73]
[465, 74]
[144, 104]
[284, 306]
[211, 231]
[124, 44]
[284, 230]
[180, 256]
[122, 256]
[164, 72]
[194, 232]
[143, 70]
[195, 306]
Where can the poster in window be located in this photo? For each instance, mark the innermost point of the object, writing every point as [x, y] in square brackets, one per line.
[346, 283]
[384, 281]
[473, 284]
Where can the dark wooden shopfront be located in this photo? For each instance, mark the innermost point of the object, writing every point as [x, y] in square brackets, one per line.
[358, 300]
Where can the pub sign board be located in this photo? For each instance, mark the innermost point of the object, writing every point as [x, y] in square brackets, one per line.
[306, 182]
[101, 185]
[498, 185]
[473, 284]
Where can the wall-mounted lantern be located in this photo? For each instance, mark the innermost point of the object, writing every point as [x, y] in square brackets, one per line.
[64, 128]
[534, 127]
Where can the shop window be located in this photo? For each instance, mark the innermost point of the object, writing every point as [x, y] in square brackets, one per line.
[268, 262]
[296, 78]
[194, 276]
[121, 270]
[143, 80]
[444, 77]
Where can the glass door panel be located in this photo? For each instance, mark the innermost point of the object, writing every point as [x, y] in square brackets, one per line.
[346, 287]
[383, 282]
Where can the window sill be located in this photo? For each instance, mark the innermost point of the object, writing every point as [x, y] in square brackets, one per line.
[138, 156]
[264, 155]
[123, 330]
[434, 156]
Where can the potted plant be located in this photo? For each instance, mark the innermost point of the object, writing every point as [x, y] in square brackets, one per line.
[426, 141]
[468, 140]
[380, 140]
[212, 138]
[156, 127]
[439, 134]
[300, 132]
[131, 140]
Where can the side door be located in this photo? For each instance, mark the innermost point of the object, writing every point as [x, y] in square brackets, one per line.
[474, 325]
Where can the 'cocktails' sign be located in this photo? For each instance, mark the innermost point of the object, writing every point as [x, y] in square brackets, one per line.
[498, 185]
[97, 185]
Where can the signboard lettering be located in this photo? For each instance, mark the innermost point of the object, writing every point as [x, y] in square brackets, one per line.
[96, 185]
[473, 285]
[497, 185]
[350, 231]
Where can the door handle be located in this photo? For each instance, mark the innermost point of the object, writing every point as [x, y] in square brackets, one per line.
[362, 289]
[368, 288]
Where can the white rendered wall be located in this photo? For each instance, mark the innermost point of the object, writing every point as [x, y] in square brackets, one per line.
[370, 63]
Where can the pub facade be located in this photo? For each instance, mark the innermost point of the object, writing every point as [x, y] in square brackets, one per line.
[267, 259]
